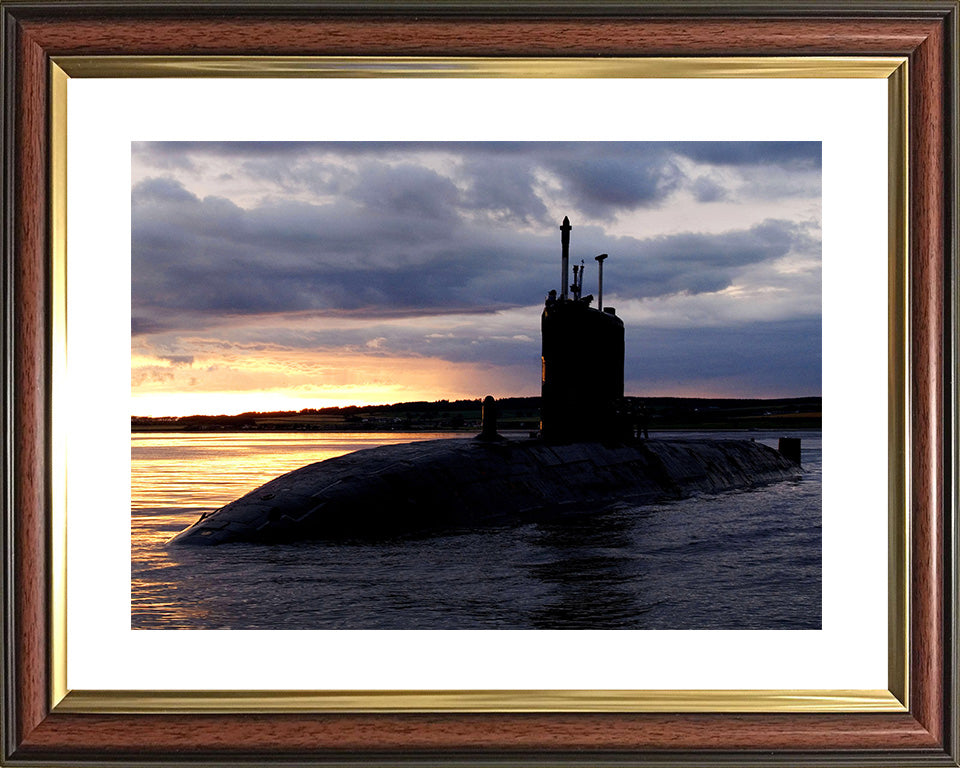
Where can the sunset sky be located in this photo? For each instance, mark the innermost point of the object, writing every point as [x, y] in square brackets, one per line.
[282, 276]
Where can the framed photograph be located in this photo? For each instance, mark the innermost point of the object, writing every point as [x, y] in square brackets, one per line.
[298, 246]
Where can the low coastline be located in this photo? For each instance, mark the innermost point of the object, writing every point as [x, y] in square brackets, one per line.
[519, 414]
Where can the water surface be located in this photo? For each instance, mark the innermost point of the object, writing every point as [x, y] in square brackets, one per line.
[738, 560]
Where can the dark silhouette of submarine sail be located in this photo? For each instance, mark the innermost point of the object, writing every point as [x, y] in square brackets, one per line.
[582, 365]
[585, 458]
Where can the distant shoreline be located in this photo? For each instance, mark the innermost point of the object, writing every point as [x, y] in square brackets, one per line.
[515, 414]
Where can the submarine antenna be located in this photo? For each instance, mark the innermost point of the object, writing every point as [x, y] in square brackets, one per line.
[600, 259]
[565, 251]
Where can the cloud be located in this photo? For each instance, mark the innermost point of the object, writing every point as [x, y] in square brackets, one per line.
[196, 257]
[178, 360]
[161, 190]
[700, 263]
[795, 155]
[770, 359]
[497, 180]
[406, 191]
[706, 190]
[282, 252]
[142, 375]
[604, 185]
[503, 188]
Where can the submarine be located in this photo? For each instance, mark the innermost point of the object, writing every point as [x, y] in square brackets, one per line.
[592, 452]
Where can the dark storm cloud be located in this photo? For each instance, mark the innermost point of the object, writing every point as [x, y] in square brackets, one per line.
[706, 190]
[781, 358]
[698, 263]
[379, 231]
[461, 344]
[162, 190]
[382, 252]
[406, 191]
[603, 186]
[504, 188]
[772, 358]
[499, 179]
[790, 154]
[141, 326]
[396, 246]
[600, 179]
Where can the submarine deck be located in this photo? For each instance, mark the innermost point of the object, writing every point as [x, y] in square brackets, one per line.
[464, 482]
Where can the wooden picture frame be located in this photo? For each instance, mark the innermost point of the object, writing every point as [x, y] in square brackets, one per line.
[38, 731]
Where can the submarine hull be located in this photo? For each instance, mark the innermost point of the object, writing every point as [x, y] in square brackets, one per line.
[462, 482]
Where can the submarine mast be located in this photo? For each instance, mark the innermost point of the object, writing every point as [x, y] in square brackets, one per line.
[565, 256]
[582, 363]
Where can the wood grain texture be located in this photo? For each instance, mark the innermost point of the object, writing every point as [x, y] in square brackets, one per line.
[42, 736]
[470, 37]
[927, 161]
[29, 372]
[286, 734]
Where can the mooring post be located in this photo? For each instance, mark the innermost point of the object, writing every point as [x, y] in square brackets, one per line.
[488, 419]
[790, 448]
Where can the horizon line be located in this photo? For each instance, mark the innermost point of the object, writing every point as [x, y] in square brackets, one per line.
[478, 400]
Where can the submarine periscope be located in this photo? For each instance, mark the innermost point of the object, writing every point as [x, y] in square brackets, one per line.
[592, 451]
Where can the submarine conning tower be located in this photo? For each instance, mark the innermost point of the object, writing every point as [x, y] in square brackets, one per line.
[582, 360]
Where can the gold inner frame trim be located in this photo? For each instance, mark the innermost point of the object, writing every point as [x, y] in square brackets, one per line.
[543, 701]
[893, 69]
[898, 383]
[58, 371]
[426, 66]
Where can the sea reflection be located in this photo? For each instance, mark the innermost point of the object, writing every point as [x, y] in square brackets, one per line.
[729, 561]
[591, 568]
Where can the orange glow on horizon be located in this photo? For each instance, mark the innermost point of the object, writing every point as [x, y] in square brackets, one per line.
[293, 382]
[232, 403]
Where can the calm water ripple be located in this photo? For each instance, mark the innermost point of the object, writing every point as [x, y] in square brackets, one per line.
[739, 560]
